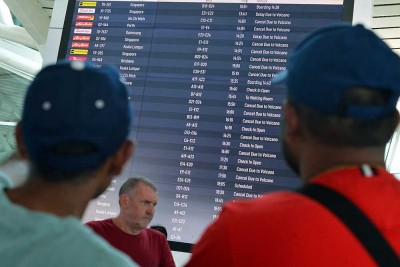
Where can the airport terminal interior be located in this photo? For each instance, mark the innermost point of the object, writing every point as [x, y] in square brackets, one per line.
[24, 28]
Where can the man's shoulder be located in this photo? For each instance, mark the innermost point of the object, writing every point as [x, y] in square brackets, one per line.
[98, 223]
[153, 234]
[270, 208]
[105, 221]
[61, 240]
[81, 238]
[266, 202]
[93, 244]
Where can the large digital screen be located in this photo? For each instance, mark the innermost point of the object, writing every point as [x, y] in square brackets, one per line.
[207, 118]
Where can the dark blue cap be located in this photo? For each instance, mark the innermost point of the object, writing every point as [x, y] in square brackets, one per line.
[336, 58]
[75, 116]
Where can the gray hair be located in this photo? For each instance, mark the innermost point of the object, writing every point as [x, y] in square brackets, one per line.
[132, 183]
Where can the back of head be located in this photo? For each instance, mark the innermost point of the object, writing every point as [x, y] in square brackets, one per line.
[75, 116]
[345, 77]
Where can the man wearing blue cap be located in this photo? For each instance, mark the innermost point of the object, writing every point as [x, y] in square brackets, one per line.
[74, 133]
[343, 84]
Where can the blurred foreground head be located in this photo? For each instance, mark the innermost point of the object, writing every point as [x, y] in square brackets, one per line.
[343, 84]
[336, 59]
[75, 116]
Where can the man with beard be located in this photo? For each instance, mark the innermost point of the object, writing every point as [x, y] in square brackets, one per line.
[343, 84]
[74, 134]
[128, 231]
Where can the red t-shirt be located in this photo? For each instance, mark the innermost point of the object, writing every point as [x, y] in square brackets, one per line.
[289, 229]
[148, 249]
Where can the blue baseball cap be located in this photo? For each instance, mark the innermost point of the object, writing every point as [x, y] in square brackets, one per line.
[336, 58]
[75, 116]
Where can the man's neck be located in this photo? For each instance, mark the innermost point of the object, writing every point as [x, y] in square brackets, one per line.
[319, 159]
[60, 199]
[121, 223]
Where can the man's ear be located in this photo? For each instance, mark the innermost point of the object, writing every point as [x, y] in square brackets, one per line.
[397, 119]
[123, 201]
[292, 129]
[21, 148]
[123, 154]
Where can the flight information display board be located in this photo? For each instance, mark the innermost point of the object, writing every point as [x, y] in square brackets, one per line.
[207, 119]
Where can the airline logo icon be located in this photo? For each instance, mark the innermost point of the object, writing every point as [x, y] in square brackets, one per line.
[75, 58]
[86, 10]
[81, 38]
[85, 17]
[80, 45]
[87, 4]
[83, 24]
[79, 51]
[83, 31]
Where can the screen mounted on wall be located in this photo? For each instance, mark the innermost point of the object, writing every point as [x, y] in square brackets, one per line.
[207, 119]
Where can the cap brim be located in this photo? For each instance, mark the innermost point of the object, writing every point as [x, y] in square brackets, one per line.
[280, 77]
